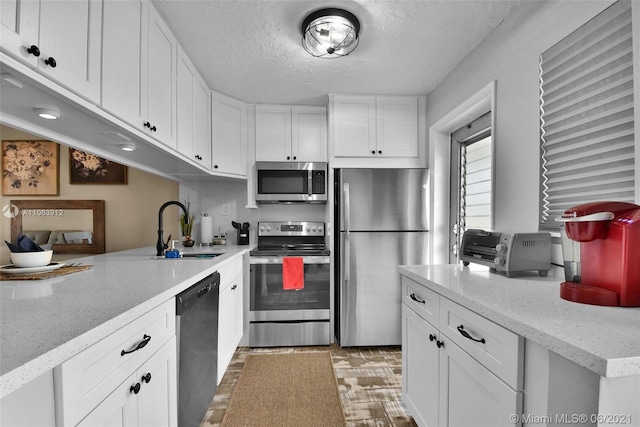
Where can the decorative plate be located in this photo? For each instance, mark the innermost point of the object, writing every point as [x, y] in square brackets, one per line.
[11, 269]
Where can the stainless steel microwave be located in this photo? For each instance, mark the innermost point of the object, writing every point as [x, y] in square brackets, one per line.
[290, 182]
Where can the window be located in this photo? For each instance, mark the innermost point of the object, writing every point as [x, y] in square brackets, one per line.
[586, 121]
[472, 171]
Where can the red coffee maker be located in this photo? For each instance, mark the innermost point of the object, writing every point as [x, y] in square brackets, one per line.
[608, 269]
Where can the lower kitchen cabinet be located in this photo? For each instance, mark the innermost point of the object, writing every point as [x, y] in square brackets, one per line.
[442, 384]
[129, 373]
[146, 398]
[230, 316]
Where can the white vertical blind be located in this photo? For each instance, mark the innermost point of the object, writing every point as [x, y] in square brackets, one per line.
[587, 135]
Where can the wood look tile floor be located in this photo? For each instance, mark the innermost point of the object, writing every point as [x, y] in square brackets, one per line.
[369, 382]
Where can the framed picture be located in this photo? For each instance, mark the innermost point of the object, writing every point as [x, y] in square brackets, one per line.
[87, 168]
[30, 168]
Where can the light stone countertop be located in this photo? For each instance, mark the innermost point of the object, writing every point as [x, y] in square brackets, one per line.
[45, 322]
[605, 340]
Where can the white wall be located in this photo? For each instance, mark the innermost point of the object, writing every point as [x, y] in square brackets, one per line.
[509, 55]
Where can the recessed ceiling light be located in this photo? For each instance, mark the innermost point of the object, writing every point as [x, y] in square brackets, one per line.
[48, 114]
[130, 146]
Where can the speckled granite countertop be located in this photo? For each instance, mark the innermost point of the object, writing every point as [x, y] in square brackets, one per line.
[45, 322]
[605, 340]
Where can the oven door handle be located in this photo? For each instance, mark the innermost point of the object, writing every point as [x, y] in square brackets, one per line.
[278, 260]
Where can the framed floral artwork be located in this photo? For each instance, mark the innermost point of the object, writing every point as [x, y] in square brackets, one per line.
[87, 168]
[30, 168]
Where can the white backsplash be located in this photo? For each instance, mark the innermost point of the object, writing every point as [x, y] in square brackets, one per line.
[217, 197]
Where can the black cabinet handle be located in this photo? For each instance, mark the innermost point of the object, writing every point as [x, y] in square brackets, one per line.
[373, 151]
[33, 50]
[51, 62]
[432, 337]
[379, 151]
[466, 335]
[440, 344]
[145, 340]
[146, 378]
[215, 166]
[146, 124]
[234, 287]
[198, 157]
[294, 157]
[288, 157]
[135, 389]
[153, 129]
[416, 299]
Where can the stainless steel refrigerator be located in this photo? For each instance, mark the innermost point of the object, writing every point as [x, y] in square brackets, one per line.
[381, 217]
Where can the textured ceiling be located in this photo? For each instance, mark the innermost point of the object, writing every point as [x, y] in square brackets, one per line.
[251, 49]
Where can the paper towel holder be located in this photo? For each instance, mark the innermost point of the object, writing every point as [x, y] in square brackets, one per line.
[206, 230]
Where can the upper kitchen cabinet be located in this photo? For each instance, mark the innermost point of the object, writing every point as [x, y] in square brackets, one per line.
[62, 39]
[228, 135]
[291, 133]
[193, 114]
[161, 61]
[388, 130]
[124, 35]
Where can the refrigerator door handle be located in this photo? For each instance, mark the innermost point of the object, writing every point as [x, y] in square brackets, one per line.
[347, 299]
[346, 207]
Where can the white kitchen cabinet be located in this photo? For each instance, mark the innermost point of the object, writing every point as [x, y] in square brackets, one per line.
[145, 398]
[105, 370]
[31, 405]
[291, 133]
[442, 383]
[123, 59]
[374, 126]
[160, 85]
[230, 314]
[62, 39]
[193, 115]
[228, 135]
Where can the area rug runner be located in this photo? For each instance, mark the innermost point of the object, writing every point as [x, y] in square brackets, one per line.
[293, 389]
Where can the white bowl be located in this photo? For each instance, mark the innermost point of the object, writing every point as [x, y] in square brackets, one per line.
[31, 259]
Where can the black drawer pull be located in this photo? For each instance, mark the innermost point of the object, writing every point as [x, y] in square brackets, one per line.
[141, 344]
[432, 337]
[417, 299]
[146, 378]
[135, 389]
[51, 62]
[33, 50]
[466, 335]
[440, 344]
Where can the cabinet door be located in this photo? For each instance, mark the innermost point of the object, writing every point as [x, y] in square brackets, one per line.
[201, 123]
[420, 367]
[224, 340]
[124, 32]
[397, 126]
[184, 105]
[354, 125]
[273, 133]
[309, 133]
[158, 397]
[71, 33]
[19, 23]
[236, 314]
[161, 80]
[228, 135]
[471, 395]
[119, 409]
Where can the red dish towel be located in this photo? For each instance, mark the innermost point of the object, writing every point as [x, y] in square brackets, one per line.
[292, 273]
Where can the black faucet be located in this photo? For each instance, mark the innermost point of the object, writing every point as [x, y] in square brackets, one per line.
[161, 246]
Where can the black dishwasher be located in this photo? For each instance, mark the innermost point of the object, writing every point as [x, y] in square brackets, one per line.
[197, 335]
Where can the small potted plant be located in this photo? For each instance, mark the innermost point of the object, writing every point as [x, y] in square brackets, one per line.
[186, 228]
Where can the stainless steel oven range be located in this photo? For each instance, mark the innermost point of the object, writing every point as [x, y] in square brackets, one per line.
[279, 317]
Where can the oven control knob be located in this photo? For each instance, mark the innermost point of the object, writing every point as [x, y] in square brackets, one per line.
[262, 228]
[268, 228]
[320, 229]
[308, 229]
[501, 248]
[498, 260]
[314, 229]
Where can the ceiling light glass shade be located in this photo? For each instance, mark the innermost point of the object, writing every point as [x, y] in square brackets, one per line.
[330, 33]
[47, 113]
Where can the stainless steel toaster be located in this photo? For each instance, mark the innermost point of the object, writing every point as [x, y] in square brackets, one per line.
[507, 252]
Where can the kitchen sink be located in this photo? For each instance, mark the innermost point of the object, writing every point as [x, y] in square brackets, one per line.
[192, 256]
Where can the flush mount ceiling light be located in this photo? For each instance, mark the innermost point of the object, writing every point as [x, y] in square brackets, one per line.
[48, 114]
[330, 33]
[128, 146]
